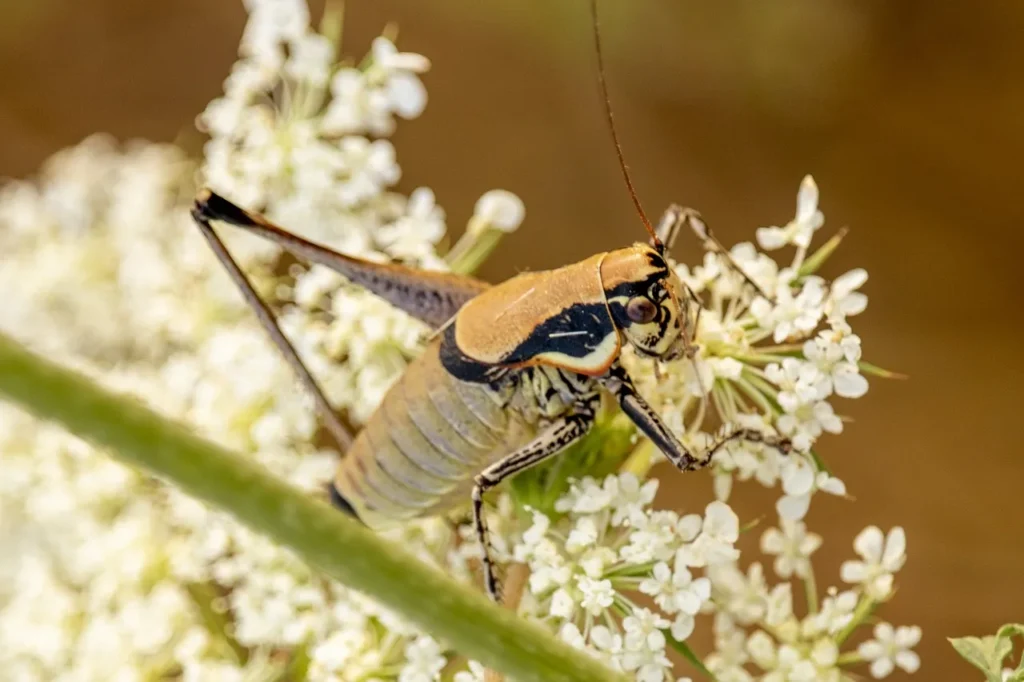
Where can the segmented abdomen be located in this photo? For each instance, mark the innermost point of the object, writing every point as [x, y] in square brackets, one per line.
[419, 452]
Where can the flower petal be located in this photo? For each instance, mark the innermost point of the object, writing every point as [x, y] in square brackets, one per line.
[869, 544]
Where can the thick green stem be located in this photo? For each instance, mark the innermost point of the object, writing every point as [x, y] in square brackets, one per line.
[332, 542]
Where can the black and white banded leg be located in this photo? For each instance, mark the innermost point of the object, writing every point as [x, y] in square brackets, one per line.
[553, 440]
[647, 420]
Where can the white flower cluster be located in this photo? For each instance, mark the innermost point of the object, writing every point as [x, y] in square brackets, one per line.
[609, 549]
[115, 576]
[756, 625]
[762, 362]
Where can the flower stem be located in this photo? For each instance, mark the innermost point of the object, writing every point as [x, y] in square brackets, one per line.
[849, 658]
[811, 589]
[687, 653]
[331, 541]
[862, 611]
[473, 248]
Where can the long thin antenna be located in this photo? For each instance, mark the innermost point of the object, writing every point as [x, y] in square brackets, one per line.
[655, 241]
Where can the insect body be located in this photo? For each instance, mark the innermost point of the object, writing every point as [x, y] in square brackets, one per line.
[514, 377]
[515, 374]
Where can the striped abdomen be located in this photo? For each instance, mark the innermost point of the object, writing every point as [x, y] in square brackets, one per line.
[419, 452]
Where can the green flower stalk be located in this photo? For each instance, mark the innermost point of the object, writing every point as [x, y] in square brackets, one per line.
[320, 535]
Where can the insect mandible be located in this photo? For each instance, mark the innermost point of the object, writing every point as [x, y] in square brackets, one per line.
[515, 373]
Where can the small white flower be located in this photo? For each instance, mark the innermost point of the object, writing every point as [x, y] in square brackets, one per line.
[476, 673]
[424, 661]
[676, 590]
[717, 539]
[499, 209]
[653, 537]
[562, 604]
[413, 235]
[598, 595]
[744, 597]
[830, 356]
[882, 556]
[644, 646]
[585, 497]
[799, 230]
[310, 57]
[583, 536]
[570, 634]
[807, 422]
[891, 648]
[800, 481]
[843, 299]
[628, 496]
[799, 382]
[792, 546]
[835, 613]
[387, 56]
[605, 640]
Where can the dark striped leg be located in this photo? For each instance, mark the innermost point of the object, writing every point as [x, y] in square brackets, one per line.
[556, 438]
[647, 420]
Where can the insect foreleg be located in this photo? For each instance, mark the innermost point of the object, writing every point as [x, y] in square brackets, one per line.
[556, 438]
[647, 420]
[710, 241]
[269, 323]
[671, 222]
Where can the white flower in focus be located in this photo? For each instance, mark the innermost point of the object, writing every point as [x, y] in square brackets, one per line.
[792, 546]
[799, 382]
[718, 535]
[800, 480]
[891, 648]
[653, 537]
[799, 230]
[843, 298]
[807, 422]
[792, 316]
[676, 590]
[644, 646]
[881, 557]
[835, 354]
[598, 595]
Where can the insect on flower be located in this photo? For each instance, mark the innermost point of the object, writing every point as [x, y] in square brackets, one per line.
[515, 372]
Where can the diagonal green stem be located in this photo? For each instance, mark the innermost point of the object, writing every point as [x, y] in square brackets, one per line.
[335, 544]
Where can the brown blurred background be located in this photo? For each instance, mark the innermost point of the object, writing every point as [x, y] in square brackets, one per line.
[910, 115]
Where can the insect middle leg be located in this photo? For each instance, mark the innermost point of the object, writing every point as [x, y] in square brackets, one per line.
[647, 420]
[556, 438]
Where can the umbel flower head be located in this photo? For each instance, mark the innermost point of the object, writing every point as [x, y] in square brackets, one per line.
[113, 575]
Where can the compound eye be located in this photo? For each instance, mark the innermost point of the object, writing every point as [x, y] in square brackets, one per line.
[641, 310]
